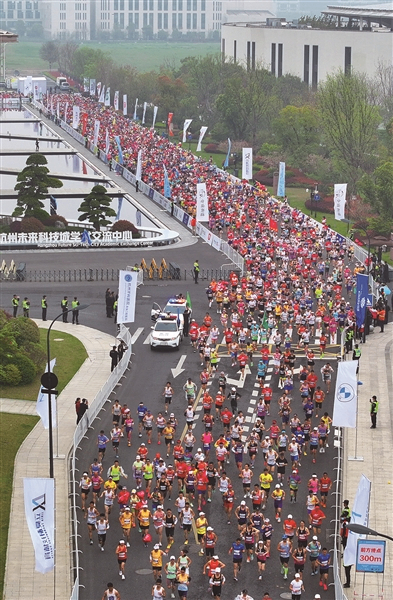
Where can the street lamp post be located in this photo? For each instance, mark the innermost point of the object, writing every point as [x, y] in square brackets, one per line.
[363, 530]
[49, 381]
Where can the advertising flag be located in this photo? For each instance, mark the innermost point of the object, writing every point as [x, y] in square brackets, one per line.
[127, 296]
[86, 84]
[340, 193]
[138, 218]
[39, 498]
[144, 112]
[36, 93]
[170, 124]
[85, 238]
[138, 172]
[167, 185]
[102, 95]
[346, 395]
[135, 109]
[154, 116]
[361, 298]
[359, 515]
[92, 87]
[75, 116]
[53, 205]
[108, 97]
[117, 140]
[201, 136]
[119, 205]
[247, 163]
[116, 101]
[84, 119]
[281, 180]
[202, 203]
[96, 131]
[51, 106]
[186, 125]
[42, 399]
[58, 109]
[273, 225]
[125, 110]
[99, 89]
[65, 112]
[226, 161]
[107, 142]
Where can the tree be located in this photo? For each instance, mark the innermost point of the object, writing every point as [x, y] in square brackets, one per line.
[50, 52]
[377, 190]
[66, 56]
[20, 27]
[296, 129]
[96, 209]
[349, 118]
[162, 35]
[32, 186]
[147, 32]
[35, 31]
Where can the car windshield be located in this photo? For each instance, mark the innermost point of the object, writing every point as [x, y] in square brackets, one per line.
[166, 326]
[175, 309]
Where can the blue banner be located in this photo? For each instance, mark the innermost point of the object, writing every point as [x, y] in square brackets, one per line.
[85, 238]
[281, 180]
[119, 205]
[53, 205]
[361, 298]
[117, 139]
[226, 161]
[138, 216]
[167, 185]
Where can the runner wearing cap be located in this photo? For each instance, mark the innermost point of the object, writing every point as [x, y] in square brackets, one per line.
[125, 520]
[201, 526]
[216, 582]
[170, 571]
[121, 553]
[313, 548]
[296, 587]
[158, 522]
[284, 548]
[210, 541]
[156, 561]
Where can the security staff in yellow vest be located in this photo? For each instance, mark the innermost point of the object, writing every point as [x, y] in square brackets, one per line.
[26, 307]
[75, 311]
[356, 354]
[64, 308]
[373, 412]
[44, 307]
[15, 304]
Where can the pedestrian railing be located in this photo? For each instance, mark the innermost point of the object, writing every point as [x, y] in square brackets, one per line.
[337, 494]
[85, 423]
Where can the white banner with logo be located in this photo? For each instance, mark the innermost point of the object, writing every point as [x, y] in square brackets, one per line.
[102, 95]
[124, 105]
[155, 110]
[39, 496]
[359, 515]
[202, 203]
[138, 172]
[346, 395]
[116, 101]
[127, 296]
[340, 193]
[92, 87]
[247, 163]
[186, 125]
[42, 407]
[108, 97]
[135, 109]
[201, 136]
[75, 116]
[96, 131]
[107, 142]
[144, 112]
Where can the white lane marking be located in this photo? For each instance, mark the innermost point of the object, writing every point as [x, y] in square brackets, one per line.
[147, 340]
[136, 334]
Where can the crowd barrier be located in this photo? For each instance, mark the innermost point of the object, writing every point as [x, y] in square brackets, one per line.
[88, 418]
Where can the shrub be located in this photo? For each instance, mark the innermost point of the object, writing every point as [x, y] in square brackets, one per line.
[26, 367]
[53, 219]
[41, 214]
[5, 317]
[124, 225]
[31, 224]
[10, 375]
[211, 147]
[326, 205]
[35, 353]
[24, 330]
[16, 227]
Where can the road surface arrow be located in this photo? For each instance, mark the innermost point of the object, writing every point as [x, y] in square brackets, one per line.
[239, 383]
[178, 369]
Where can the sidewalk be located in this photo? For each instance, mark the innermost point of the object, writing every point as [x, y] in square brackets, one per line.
[375, 446]
[22, 582]
[17, 407]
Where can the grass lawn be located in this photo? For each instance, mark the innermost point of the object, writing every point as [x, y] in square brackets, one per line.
[70, 354]
[145, 56]
[13, 430]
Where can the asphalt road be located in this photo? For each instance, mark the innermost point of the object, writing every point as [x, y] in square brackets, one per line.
[145, 381]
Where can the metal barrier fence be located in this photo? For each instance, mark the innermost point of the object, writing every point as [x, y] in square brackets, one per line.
[339, 593]
[85, 423]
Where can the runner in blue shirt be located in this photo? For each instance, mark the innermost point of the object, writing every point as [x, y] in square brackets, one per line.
[323, 562]
[142, 410]
[102, 441]
[237, 550]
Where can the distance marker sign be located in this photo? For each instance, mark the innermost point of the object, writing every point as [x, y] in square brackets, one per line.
[370, 556]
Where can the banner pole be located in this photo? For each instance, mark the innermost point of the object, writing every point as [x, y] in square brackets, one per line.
[356, 457]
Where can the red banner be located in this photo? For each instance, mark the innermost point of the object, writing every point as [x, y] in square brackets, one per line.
[170, 124]
[273, 225]
[84, 123]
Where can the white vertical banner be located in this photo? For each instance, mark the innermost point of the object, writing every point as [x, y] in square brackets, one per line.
[135, 109]
[202, 203]
[346, 394]
[39, 497]
[57, 109]
[36, 93]
[186, 125]
[359, 515]
[127, 296]
[155, 109]
[99, 89]
[144, 112]
[125, 105]
[92, 87]
[107, 142]
[108, 97]
[52, 112]
[42, 408]
[340, 198]
[116, 101]
[201, 136]
[247, 163]
[65, 112]
[138, 172]
[96, 131]
[75, 116]
[102, 95]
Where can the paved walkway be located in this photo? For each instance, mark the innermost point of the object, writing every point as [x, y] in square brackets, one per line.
[375, 446]
[17, 407]
[22, 582]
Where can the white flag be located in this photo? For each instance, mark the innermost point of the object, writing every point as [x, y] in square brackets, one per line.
[186, 125]
[99, 89]
[96, 131]
[359, 516]
[108, 97]
[144, 112]
[201, 136]
[340, 194]
[92, 87]
[124, 105]
[247, 163]
[138, 173]
[42, 407]
[154, 116]
[57, 109]
[202, 203]
[36, 93]
[75, 116]
[51, 105]
[107, 142]
[102, 95]
[346, 394]
[65, 112]
[116, 101]
[39, 497]
[135, 109]
[127, 296]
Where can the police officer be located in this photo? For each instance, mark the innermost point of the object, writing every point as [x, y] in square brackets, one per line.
[356, 354]
[349, 340]
[75, 311]
[44, 307]
[373, 412]
[196, 270]
[15, 304]
[26, 307]
[64, 308]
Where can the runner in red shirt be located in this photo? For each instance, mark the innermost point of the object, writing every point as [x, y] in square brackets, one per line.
[242, 359]
[267, 394]
[325, 484]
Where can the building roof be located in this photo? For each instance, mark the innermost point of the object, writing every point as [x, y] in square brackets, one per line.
[377, 13]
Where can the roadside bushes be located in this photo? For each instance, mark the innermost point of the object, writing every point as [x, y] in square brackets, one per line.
[21, 355]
